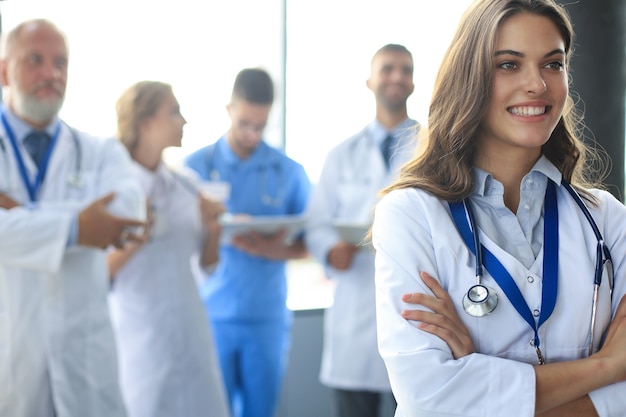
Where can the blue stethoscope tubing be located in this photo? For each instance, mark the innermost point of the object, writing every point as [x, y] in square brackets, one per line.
[603, 258]
[263, 188]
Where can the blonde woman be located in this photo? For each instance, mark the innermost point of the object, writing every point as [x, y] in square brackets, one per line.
[168, 365]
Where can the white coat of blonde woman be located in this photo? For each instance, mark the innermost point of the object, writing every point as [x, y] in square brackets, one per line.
[168, 365]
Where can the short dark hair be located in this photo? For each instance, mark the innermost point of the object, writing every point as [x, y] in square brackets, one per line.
[254, 85]
[393, 47]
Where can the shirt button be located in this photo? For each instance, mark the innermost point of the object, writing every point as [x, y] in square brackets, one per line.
[527, 206]
[530, 181]
[530, 279]
[536, 313]
[532, 342]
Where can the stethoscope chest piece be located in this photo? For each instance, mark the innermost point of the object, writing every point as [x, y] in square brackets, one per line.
[480, 300]
[74, 180]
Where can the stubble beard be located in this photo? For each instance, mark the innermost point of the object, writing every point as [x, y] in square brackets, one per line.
[29, 107]
[392, 104]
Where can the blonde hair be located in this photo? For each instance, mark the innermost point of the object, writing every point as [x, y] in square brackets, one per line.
[138, 103]
[444, 168]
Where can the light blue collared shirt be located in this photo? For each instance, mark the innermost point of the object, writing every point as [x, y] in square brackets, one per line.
[21, 128]
[520, 233]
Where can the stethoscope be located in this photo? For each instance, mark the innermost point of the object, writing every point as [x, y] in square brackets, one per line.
[266, 198]
[74, 179]
[480, 300]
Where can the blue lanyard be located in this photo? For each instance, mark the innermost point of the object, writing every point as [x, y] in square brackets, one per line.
[504, 278]
[32, 187]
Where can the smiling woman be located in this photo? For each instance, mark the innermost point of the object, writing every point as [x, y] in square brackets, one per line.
[490, 200]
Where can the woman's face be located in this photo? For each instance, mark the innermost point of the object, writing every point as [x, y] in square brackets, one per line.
[165, 128]
[529, 87]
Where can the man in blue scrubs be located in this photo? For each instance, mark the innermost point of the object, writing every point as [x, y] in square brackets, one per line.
[245, 296]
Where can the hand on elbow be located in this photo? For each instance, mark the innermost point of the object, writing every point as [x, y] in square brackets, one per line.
[443, 320]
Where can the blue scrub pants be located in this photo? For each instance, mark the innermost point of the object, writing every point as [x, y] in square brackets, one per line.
[253, 358]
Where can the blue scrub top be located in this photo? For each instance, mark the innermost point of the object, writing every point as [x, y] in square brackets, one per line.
[245, 287]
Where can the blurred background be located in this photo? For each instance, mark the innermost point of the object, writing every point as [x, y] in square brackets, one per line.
[318, 54]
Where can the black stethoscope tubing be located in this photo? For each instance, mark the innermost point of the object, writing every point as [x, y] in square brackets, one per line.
[603, 256]
[603, 251]
[602, 248]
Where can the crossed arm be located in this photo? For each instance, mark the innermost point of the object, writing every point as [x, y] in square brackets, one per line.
[96, 226]
[561, 388]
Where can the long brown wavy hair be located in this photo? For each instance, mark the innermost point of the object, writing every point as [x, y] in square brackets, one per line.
[460, 98]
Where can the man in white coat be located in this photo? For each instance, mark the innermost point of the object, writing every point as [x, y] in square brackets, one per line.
[61, 204]
[353, 173]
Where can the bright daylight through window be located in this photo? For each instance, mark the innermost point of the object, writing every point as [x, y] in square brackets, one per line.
[198, 47]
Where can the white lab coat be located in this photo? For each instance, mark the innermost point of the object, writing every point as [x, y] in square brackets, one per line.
[413, 232]
[352, 175]
[56, 341]
[168, 364]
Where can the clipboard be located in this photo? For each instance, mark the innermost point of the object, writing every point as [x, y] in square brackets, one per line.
[352, 232]
[233, 225]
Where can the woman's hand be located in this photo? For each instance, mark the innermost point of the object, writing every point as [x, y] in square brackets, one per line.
[443, 321]
[118, 257]
[210, 210]
[7, 202]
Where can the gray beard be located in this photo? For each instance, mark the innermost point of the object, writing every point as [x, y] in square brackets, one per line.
[33, 109]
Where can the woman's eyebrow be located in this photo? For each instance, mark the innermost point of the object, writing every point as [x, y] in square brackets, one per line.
[556, 51]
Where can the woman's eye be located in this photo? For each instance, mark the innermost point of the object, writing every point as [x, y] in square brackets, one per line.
[507, 65]
[557, 65]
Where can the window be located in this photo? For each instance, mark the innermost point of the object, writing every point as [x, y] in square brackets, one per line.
[329, 48]
[199, 47]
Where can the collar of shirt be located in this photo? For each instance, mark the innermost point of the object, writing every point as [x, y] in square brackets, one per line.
[260, 157]
[520, 233]
[485, 185]
[150, 179]
[378, 132]
[21, 128]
